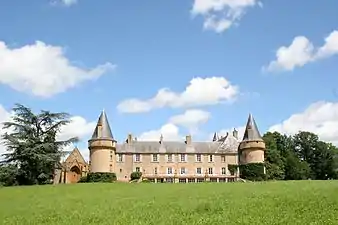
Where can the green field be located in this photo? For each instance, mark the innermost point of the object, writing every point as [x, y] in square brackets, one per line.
[293, 202]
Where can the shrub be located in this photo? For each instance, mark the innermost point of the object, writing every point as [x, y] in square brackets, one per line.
[232, 169]
[146, 181]
[98, 177]
[135, 175]
[83, 179]
[252, 171]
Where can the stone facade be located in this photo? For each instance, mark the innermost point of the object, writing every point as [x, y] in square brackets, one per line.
[166, 161]
[73, 168]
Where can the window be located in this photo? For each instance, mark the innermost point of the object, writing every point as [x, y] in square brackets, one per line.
[199, 170]
[198, 158]
[183, 170]
[120, 170]
[155, 158]
[137, 157]
[170, 170]
[120, 157]
[211, 158]
[111, 157]
[170, 158]
[155, 170]
[169, 180]
[222, 158]
[210, 171]
[138, 169]
[224, 171]
[182, 157]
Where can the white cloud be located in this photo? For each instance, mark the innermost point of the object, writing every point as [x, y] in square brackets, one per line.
[320, 118]
[169, 131]
[43, 70]
[190, 119]
[79, 127]
[4, 116]
[199, 92]
[69, 2]
[220, 15]
[66, 3]
[302, 51]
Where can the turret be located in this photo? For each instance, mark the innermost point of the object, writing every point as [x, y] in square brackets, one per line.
[102, 147]
[252, 147]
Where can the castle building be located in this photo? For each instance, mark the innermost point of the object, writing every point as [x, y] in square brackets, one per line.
[166, 161]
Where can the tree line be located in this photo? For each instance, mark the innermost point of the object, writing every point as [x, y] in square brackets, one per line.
[299, 157]
[33, 151]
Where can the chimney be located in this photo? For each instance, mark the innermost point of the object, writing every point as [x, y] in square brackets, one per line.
[235, 133]
[130, 138]
[188, 139]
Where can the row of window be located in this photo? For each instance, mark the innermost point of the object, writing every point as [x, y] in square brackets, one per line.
[182, 158]
[184, 170]
[192, 180]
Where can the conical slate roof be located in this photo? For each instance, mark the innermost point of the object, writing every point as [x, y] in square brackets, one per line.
[251, 131]
[105, 128]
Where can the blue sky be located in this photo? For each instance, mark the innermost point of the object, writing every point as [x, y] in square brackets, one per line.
[160, 44]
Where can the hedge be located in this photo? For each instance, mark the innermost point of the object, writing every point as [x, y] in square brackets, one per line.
[98, 177]
[252, 171]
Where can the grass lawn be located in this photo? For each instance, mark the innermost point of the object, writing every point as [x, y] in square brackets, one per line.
[293, 202]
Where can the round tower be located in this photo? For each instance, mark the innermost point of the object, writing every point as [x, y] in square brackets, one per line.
[102, 147]
[252, 147]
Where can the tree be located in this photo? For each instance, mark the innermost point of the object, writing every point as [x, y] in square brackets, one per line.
[32, 145]
[296, 169]
[318, 154]
[298, 157]
[273, 158]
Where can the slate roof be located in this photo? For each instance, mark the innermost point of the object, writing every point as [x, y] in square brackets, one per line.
[106, 131]
[251, 130]
[228, 145]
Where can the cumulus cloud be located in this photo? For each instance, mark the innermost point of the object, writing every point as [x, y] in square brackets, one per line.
[191, 118]
[320, 118]
[170, 131]
[301, 52]
[43, 70]
[199, 92]
[79, 127]
[220, 15]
